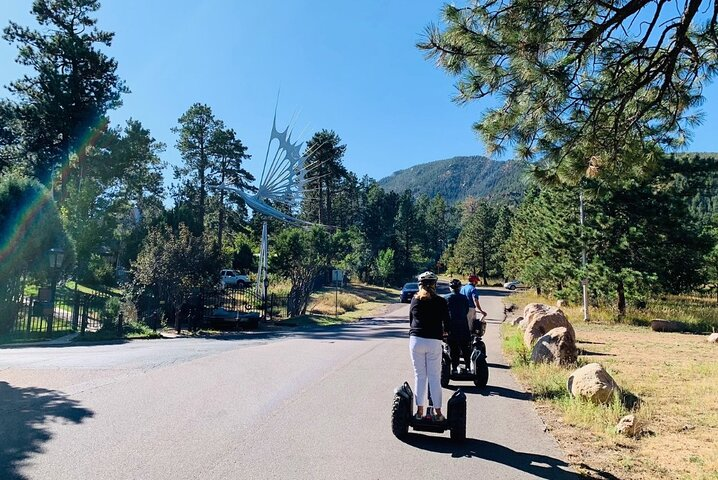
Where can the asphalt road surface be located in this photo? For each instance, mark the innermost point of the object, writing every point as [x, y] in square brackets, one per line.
[311, 404]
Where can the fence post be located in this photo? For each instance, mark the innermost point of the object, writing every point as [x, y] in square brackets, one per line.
[29, 314]
[120, 319]
[83, 326]
[75, 309]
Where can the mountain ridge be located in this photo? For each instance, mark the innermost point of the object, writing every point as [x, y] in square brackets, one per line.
[459, 177]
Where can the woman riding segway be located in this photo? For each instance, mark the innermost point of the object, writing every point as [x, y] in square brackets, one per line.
[428, 318]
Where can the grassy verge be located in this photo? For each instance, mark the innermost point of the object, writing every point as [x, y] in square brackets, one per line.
[674, 376]
[130, 331]
[70, 285]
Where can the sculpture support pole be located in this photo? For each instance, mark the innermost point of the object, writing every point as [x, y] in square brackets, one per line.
[262, 271]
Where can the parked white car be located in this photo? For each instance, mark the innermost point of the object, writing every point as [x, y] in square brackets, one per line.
[513, 285]
[232, 278]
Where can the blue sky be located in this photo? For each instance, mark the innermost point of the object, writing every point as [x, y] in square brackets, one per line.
[351, 67]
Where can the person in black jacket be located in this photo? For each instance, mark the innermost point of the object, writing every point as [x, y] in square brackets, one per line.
[428, 319]
[459, 336]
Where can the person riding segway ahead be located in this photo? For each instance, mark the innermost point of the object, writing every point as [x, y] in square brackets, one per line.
[459, 335]
[472, 294]
[466, 329]
[428, 318]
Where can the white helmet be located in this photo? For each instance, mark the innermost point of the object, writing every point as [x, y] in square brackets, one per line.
[427, 277]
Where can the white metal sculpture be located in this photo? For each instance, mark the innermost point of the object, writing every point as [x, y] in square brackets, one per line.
[284, 177]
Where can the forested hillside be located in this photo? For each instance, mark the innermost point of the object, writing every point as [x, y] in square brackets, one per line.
[460, 177]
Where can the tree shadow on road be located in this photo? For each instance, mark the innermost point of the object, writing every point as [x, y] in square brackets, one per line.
[541, 466]
[347, 331]
[25, 414]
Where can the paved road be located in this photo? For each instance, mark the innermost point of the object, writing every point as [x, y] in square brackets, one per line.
[308, 404]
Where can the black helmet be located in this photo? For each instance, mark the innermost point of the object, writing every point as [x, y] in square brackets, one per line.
[455, 284]
[427, 277]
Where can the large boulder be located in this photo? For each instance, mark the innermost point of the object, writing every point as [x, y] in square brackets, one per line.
[557, 347]
[660, 325]
[713, 338]
[533, 309]
[541, 322]
[592, 382]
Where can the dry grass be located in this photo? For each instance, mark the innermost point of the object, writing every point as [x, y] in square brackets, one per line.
[329, 303]
[698, 314]
[354, 300]
[675, 376]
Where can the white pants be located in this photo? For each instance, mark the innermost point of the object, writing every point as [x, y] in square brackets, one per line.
[426, 358]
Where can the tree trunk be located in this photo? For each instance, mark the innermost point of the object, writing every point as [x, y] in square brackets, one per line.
[220, 227]
[620, 290]
[483, 263]
[321, 203]
[202, 191]
[329, 205]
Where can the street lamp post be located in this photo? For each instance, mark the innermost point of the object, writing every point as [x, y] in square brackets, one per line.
[56, 257]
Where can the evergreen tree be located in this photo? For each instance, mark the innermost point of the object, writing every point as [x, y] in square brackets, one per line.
[502, 232]
[543, 249]
[72, 85]
[325, 173]
[196, 130]
[229, 153]
[406, 228]
[583, 83]
[473, 251]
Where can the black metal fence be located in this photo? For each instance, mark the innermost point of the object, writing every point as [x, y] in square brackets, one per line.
[73, 311]
[231, 308]
[76, 311]
[277, 307]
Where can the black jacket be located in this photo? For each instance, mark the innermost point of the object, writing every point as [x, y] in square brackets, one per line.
[428, 318]
[458, 326]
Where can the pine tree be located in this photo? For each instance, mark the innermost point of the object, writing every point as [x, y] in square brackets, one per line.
[325, 172]
[72, 85]
[583, 84]
[196, 130]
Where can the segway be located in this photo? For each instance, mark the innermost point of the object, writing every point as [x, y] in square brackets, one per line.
[478, 371]
[402, 417]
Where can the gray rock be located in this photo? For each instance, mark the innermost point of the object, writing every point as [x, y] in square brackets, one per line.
[533, 309]
[592, 382]
[713, 338]
[541, 322]
[628, 426]
[561, 303]
[557, 347]
[516, 320]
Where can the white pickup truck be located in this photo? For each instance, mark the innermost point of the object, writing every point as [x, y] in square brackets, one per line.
[232, 278]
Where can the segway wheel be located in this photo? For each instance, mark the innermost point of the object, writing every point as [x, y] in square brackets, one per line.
[482, 372]
[400, 417]
[445, 374]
